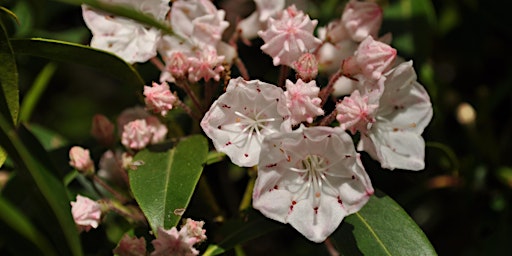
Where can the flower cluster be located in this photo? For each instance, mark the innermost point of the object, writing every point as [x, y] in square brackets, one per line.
[310, 173]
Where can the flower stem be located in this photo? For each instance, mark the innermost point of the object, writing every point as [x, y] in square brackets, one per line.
[326, 91]
[283, 74]
[112, 191]
[158, 64]
[330, 247]
[328, 119]
[246, 199]
[183, 84]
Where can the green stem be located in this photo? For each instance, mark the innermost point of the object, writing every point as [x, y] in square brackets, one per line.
[247, 198]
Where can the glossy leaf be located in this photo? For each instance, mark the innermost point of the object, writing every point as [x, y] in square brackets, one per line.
[18, 222]
[165, 181]
[241, 231]
[381, 227]
[9, 93]
[123, 12]
[79, 54]
[44, 195]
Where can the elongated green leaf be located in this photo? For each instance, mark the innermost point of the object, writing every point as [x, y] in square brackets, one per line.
[17, 220]
[241, 231]
[9, 94]
[123, 11]
[10, 13]
[51, 206]
[36, 91]
[381, 227]
[79, 54]
[165, 181]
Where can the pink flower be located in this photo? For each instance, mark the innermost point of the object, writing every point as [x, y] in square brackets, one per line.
[371, 59]
[206, 65]
[130, 114]
[136, 134]
[289, 36]
[172, 242]
[302, 101]
[177, 65]
[239, 119]
[403, 113]
[80, 159]
[306, 67]
[311, 178]
[130, 246]
[361, 19]
[355, 114]
[86, 213]
[102, 130]
[159, 98]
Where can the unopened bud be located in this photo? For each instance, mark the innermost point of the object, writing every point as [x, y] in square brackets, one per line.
[306, 67]
[81, 160]
[102, 130]
[371, 59]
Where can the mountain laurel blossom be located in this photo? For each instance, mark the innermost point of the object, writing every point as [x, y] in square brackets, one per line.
[361, 19]
[240, 118]
[136, 134]
[311, 178]
[302, 101]
[86, 213]
[174, 242]
[124, 37]
[159, 98]
[257, 21]
[289, 36]
[403, 113]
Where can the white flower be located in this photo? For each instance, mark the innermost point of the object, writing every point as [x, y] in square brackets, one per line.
[404, 111]
[124, 37]
[311, 178]
[257, 21]
[239, 119]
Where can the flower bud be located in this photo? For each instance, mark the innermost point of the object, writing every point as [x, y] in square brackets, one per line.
[81, 160]
[159, 98]
[361, 19]
[306, 67]
[371, 59]
[86, 213]
[102, 130]
[136, 134]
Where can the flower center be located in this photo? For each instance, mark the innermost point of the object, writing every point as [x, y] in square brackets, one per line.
[252, 123]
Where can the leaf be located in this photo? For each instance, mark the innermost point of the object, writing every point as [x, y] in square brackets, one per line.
[9, 93]
[165, 182]
[36, 91]
[10, 13]
[123, 11]
[381, 227]
[241, 231]
[18, 222]
[38, 190]
[79, 54]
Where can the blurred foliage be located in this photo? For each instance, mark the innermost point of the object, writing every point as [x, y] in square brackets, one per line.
[462, 200]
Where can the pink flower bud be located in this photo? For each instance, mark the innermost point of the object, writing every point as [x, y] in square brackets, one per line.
[177, 64]
[157, 129]
[371, 59]
[81, 159]
[193, 229]
[131, 246]
[159, 98]
[102, 130]
[361, 19]
[136, 134]
[306, 67]
[355, 114]
[86, 213]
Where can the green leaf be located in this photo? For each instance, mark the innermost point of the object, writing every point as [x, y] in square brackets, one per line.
[381, 227]
[123, 11]
[9, 93]
[10, 13]
[79, 54]
[253, 225]
[18, 222]
[42, 194]
[165, 181]
[36, 91]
